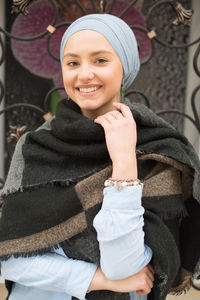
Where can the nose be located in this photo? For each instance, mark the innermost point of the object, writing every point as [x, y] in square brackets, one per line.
[85, 72]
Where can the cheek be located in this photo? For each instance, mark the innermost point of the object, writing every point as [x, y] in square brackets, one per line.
[114, 76]
[67, 78]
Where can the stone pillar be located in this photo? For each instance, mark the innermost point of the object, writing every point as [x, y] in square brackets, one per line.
[193, 80]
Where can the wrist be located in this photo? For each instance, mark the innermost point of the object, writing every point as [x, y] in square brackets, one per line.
[125, 170]
[99, 281]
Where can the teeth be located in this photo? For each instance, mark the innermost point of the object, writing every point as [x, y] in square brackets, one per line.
[88, 90]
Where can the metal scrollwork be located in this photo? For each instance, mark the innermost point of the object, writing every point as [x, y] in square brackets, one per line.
[183, 15]
[15, 133]
[20, 6]
[181, 18]
[32, 38]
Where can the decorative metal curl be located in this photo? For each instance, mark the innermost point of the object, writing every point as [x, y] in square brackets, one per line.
[183, 15]
[20, 6]
[15, 133]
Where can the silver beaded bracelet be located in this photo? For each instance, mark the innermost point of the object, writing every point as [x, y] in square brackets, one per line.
[119, 184]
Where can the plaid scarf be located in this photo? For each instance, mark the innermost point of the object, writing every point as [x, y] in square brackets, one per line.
[54, 190]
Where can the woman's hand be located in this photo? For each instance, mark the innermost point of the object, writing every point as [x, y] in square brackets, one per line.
[121, 138]
[141, 282]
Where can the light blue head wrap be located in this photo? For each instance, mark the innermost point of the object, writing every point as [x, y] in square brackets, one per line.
[119, 35]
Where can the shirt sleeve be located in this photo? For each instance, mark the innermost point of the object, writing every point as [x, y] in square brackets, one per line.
[119, 226]
[52, 272]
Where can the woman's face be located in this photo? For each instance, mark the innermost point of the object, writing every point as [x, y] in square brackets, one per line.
[92, 73]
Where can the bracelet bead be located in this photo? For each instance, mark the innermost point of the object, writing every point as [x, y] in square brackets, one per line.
[119, 184]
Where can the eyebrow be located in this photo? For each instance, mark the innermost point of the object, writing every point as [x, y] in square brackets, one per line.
[91, 54]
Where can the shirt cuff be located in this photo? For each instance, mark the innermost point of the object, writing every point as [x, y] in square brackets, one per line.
[127, 198]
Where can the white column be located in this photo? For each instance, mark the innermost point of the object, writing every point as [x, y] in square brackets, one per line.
[2, 20]
[193, 80]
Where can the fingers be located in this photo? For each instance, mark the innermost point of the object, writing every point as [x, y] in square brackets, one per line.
[151, 272]
[126, 112]
[151, 268]
[109, 118]
[102, 121]
[148, 278]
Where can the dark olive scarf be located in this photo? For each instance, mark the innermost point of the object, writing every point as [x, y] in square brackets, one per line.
[54, 190]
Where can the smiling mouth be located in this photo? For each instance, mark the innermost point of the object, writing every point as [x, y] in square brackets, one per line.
[88, 90]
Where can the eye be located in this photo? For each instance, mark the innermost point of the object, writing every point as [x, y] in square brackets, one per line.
[101, 61]
[72, 64]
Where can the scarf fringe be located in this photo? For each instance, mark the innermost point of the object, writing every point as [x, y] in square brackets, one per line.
[30, 254]
[12, 190]
[21, 189]
[183, 287]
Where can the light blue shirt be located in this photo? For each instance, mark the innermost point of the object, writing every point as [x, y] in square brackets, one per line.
[54, 276]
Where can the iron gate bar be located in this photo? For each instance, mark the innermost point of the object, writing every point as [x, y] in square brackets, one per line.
[49, 37]
[152, 47]
[195, 61]
[127, 8]
[140, 93]
[194, 109]
[94, 6]
[31, 106]
[111, 6]
[2, 92]
[46, 99]
[81, 7]
[2, 51]
[161, 112]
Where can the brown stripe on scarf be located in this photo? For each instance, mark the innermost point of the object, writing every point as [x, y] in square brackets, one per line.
[46, 238]
[90, 190]
[186, 173]
[162, 181]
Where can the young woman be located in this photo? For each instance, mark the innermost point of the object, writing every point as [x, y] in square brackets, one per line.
[72, 222]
